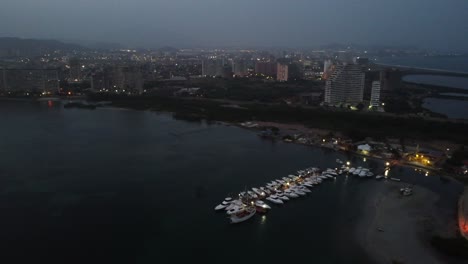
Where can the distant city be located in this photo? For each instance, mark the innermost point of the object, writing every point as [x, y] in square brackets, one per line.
[335, 75]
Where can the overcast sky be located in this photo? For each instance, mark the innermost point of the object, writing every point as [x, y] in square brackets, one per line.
[440, 24]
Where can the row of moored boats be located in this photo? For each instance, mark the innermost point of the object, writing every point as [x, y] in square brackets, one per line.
[280, 191]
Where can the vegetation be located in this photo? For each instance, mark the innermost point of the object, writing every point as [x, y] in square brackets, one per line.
[357, 124]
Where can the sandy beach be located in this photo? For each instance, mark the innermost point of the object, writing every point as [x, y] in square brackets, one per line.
[397, 229]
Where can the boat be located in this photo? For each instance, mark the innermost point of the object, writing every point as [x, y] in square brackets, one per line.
[291, 194]
[243, 215]
[352, 170]
[304, 189]
[236, 209]
[308, 184]
[378, 177]
[283, 197]
[258, 192]
[369, 174]
[252, 194]
[262, 204]
[220, 207]
[275, 199]
[363, 173]
[265, 190]
[300, 192]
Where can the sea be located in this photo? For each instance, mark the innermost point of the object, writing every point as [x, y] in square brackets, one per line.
[122, 186]
[450, 107]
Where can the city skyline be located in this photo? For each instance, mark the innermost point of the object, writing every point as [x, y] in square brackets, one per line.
[208, 23]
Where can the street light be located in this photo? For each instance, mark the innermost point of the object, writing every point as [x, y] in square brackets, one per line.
[348, 163]
[387, 164]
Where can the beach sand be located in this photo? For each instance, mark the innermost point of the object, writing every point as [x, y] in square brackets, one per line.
[397, 229]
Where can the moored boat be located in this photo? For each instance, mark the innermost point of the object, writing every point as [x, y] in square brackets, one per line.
[243, 215]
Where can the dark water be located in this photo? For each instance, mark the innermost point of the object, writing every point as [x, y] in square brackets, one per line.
[451, 107]
[120, 186]
[456, 64]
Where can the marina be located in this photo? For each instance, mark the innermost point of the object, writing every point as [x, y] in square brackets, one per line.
[279, 191]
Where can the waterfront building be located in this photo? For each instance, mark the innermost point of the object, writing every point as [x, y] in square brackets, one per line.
[29, 80]
[345, 85]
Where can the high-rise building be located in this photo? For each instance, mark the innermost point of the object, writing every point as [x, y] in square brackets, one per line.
[213, 67]
[345, 85]
[29, 80]
[75, 70]
[239, 67]
[282, 74]
[268, 68]
[327, 69]
[375, 94]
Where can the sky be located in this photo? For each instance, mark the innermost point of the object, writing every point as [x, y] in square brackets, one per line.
[434, 24]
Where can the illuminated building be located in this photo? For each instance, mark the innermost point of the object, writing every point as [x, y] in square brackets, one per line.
[345, 85]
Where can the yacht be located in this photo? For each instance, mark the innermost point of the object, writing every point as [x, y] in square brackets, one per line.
[363, 173]
[252, 194]
[298, 191]
[352, 170]
[291, 194]
[243, 215]
[236, 209]
[262, 204]
[220, 207]
[265, 190]
[258, 192]
[275, 199]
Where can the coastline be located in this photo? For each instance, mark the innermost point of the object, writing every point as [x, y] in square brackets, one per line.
[392, 224]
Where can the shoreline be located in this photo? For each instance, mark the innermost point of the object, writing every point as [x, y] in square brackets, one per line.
[463, 213]
[392, 224]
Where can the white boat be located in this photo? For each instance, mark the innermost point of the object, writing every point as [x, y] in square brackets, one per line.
[283, 197]
[252, 194]
[352, 170]
[308, 184]
[259, 192]
[233, 204]
[243, 215]
[362, 174]
[262, 204]
[228, 199]
[291, 194]
[236, 209]
[300, 192]
[220, 207]
[369, 174]
[275, 199]
[357, 171]
[378, 177]
[304, 189]
[265, 190]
